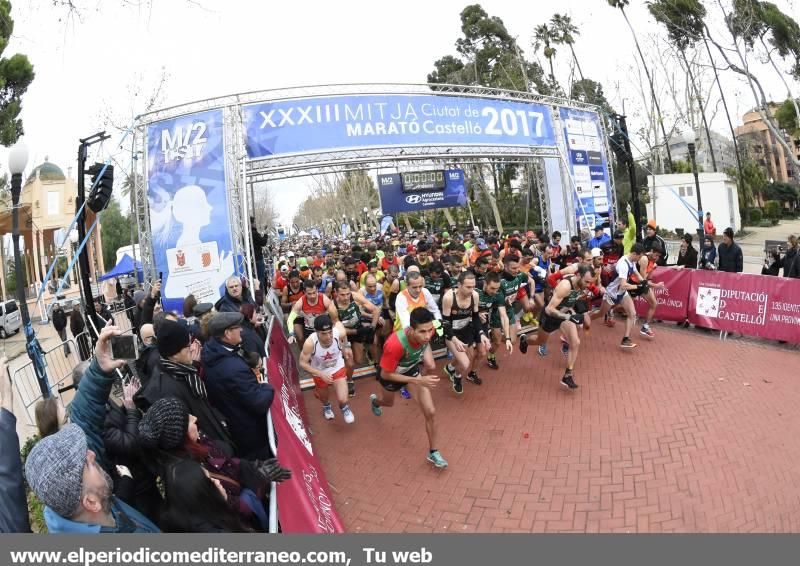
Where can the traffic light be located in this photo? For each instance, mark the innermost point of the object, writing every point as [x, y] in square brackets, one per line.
[102, 185]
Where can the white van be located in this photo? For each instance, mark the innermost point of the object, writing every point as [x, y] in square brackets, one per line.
[10, 318]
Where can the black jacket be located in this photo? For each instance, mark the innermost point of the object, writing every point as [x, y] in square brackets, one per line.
[689, 259]
[121, 440]
[791, 264]
[730, 258]
[648, 245]
[13, 505]
[59, 319]
[252, 341]
[231, 304]
[233, 388]
[162, 384]
[259, 241]
[146, 363]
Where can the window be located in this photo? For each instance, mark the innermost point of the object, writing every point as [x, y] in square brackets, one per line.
[689, 192]
[681, 191]
[53, 203]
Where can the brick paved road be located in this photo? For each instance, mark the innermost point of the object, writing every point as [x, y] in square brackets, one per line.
[684, 434]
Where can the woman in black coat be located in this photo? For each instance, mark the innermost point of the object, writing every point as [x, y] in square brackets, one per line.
[77, 327]
[687, 257]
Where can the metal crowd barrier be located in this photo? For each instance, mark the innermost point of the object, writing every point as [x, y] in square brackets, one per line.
[58, 367]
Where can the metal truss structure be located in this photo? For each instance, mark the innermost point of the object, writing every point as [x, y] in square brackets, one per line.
[243, 173]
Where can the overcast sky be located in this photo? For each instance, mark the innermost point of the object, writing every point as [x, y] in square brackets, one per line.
[92, 66]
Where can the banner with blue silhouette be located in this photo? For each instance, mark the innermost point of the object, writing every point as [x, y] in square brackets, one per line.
[330, 123]
[189, 207]
[393, 199]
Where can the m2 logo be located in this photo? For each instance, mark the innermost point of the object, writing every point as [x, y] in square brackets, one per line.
[184, 142]
[387, 180]
[454, 175]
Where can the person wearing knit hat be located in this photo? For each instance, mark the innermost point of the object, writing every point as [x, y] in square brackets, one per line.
[177, 376]
[77, 492]
[164, 425]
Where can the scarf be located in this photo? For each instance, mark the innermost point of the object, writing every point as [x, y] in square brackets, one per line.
[188, 374]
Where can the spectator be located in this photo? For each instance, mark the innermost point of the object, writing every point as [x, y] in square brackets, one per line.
[188, 308]
[138, 300]
[791, 263]
[176, 376]
[77, 327]
[772, 266]
[600, 238]
[67, 469]
[628, 228]
[259, 241]
[708, 226]
[652, 238]
[13, 505]
[708, 255]
[253, 335]
[148, 354]
[235, 296]
[687, 256]
[103, 316]
[234, 389]
[50, 416]
[730, 254]
[60, 324]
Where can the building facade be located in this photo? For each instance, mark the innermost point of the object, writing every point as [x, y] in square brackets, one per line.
[724, 151]
[758, 143]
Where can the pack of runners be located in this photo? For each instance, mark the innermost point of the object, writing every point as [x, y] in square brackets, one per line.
[391, 301]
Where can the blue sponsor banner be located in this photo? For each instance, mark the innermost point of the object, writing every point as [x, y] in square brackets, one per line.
[394, 200]
[588, 165]
[374, 120]
[189, 207]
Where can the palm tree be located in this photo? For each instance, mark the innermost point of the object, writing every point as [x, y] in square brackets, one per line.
[565, 32]
[621, 5]
[544, 38]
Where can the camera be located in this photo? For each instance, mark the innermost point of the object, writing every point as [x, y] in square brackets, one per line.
[124, 347]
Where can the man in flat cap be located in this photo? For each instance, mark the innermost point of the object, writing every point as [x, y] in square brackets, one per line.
[232, 387]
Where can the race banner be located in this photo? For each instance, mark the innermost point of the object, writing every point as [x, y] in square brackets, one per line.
[188, 207]
[386, 223]
[305, 504]
[753, 305]
[588, 164]
[673, 299]
[398, 195]
[332, 123]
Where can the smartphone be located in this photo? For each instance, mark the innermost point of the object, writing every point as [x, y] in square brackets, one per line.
[124, 347]
[161, 276]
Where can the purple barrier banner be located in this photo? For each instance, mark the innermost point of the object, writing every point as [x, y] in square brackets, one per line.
[753, 305]
[305, 504]
[673, 299]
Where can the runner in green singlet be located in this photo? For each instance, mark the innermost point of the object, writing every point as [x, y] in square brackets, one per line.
[510, 281]
[403, 354]
[492, 310]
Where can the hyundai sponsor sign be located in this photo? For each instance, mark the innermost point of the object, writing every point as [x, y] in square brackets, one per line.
[397, 198]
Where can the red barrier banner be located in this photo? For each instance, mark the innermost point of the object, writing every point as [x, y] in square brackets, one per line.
[305, 504]
[753, 305]
[673, 299]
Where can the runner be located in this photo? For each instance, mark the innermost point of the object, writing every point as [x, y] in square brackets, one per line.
[405, 350]
[437, 281]
[347, 308]
[646, 265]
[323, 356]
[463, 331]
[617, 292]
[510, 282]
[413, 296]
[374, 294]
[560, 314]
[301, 318]
[292, 292]
[492, 309]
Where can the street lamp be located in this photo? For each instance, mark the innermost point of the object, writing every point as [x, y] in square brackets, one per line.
[689, 138]
[365, 210]
[17, 160]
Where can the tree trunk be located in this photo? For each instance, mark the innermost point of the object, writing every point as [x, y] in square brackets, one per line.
[652, 91]
[492, 201]
[700, 107]
[575, 58]
[783, 80]
[449, 217]
[746, 210]
[408, 223]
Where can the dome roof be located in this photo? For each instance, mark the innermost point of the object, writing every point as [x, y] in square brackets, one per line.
[47, 172]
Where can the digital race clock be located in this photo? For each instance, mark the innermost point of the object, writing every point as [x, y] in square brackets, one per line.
[422, 181]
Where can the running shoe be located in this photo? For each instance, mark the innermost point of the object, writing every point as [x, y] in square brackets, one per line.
[373, 402]
[542, 350]
[458, 385]
[473, 377]
[626, 343]
[436, 459]
[348, 415]
[523, 344]
[646, 331]
[567, 381]
[405, 393]
[351, 388]
[610, 322]
[492, 362]
[564, 346]
[450, 371]
[327, 412]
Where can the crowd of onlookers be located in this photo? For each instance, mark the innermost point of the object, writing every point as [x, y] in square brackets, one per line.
[184, 448]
